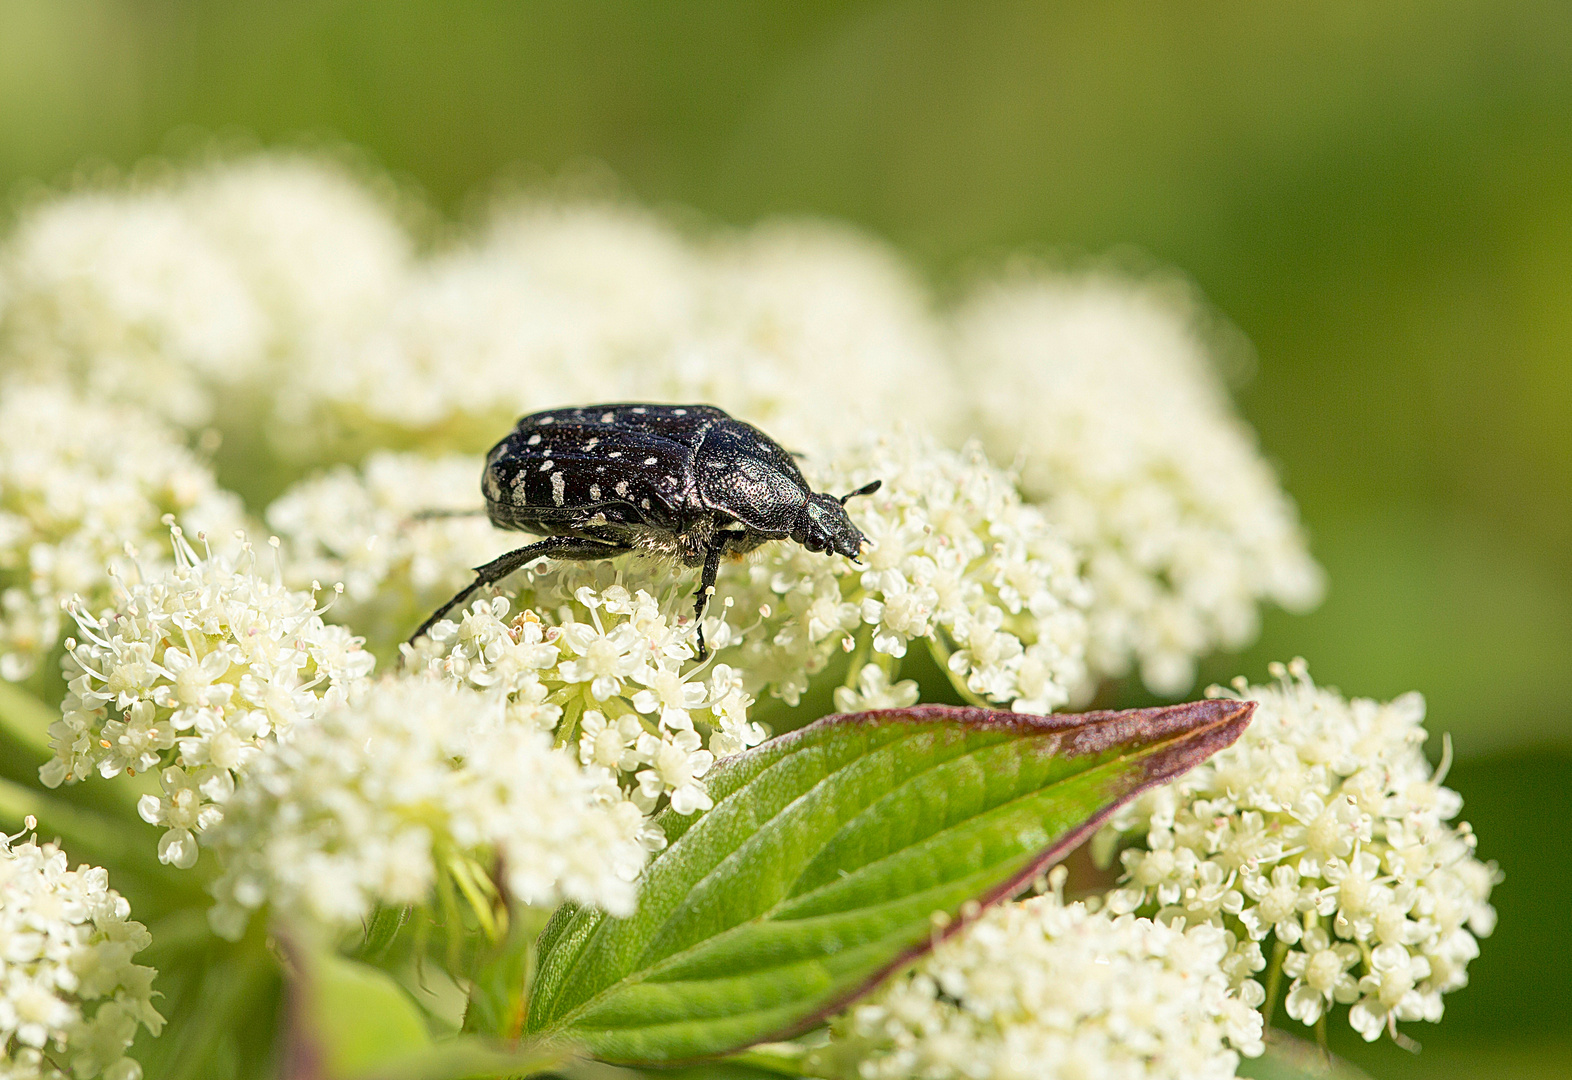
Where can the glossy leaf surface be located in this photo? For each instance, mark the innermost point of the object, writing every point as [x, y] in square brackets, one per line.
[837, 853]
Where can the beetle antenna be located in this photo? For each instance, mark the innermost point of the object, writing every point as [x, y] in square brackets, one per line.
[866, 489]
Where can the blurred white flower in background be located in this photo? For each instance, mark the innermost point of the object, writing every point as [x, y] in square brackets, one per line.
[190, 672]
[1325, 829]
[126, 294]
[1040, 990]
[80, 479]
[406, 780]
[1104, 391]
[69, 993]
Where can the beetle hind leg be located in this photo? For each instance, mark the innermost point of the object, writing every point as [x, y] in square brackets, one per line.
[573, 548]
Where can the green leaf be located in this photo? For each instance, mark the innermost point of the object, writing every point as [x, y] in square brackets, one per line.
[351, 1021]
[827, 856]
[347, 1019]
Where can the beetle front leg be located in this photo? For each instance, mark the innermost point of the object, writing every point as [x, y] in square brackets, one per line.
[701, 599]
[573, 548]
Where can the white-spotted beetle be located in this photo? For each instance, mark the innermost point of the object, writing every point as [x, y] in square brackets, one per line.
[684, 482]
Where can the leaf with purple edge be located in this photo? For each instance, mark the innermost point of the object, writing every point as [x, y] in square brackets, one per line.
[827, 857]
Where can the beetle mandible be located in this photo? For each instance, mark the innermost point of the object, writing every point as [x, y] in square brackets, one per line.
[683, 482]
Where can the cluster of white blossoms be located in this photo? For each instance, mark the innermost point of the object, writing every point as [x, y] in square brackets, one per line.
[1324, 829]
[71, 1000]
[955, 560]
[190, 672]
[601, 666]
[1104, 390]
[80, 480]
[292, 279]
[125, 293]
[1040, 990]
[807, 329]
[369, 530]
[174, 294]
[409, 779]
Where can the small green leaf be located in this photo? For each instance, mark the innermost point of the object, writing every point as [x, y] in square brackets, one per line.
[827, 856]
[348, 1019]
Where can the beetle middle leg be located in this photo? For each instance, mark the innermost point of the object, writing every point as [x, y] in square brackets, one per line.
[575, 548]
[701, 599]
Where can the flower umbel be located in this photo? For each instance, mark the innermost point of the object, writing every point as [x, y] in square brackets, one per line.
[189, 673]
[1104, 391]
[403, 782]
[1324, 829]
[955, 560]
[81, 480]
[1040, 990]
[71, 1000]
[601, 667]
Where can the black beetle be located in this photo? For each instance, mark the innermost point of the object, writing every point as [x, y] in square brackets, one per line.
[684, 482]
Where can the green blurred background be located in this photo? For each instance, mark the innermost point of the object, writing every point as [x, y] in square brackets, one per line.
[1378, 194]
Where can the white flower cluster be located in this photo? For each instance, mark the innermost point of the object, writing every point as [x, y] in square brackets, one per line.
[1323, 828]
[71, 1000]
[807, 329]
[190, 673]
[174, 294]
[365, 528]
[79, 481]
[601, 667]
[408, 779]
[126, 293]
[955, 559]
[1039, 990]
[1105, 392]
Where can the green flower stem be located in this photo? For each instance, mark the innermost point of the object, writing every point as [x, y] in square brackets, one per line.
[1274, 981]
[941, 653]
[859, 656]
[480, 897]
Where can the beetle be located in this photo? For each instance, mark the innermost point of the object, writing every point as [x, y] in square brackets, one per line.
[688, 483]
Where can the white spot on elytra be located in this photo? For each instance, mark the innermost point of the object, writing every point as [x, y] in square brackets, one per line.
[534, 440]
[592, 444]
[547, 420]
[607, 418]
[679, 412]
[559, 484]
[641, 410]
[622, 488]
[615, 453]
[649, 461]
[595, 492]
[644, 503]
[547, 465]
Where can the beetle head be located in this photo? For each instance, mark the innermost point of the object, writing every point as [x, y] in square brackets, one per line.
[825, 526]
